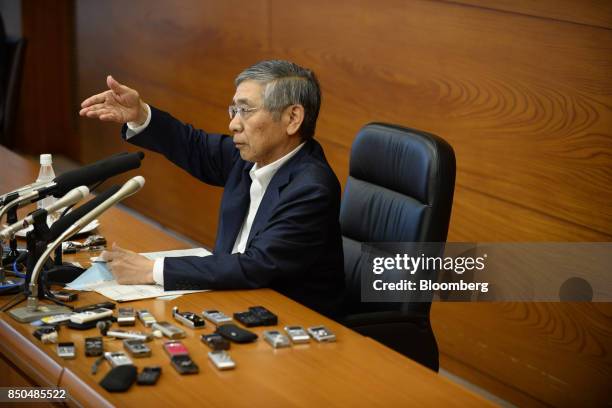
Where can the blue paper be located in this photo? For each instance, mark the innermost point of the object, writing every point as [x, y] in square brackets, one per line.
[98, 272]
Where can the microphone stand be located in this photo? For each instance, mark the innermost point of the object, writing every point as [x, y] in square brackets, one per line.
[36, 241]
[15, 300]
[38, 253]
[10, 209]
[37, 249]
[9, 285]
[11, 217]
[32, 311]
[62, 273]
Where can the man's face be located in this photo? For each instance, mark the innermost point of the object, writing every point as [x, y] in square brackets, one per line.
[257, 136]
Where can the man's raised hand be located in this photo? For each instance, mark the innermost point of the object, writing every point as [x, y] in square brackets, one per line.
[119, 104]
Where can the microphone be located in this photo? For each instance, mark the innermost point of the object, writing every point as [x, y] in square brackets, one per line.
[67, 220]
[72, 197]
[95, 172]
[21, 191]
[129, 188]
[20, 201]
[86, 175]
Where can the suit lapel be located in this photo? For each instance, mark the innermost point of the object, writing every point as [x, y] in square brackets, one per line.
[234, 207]
[272, 194]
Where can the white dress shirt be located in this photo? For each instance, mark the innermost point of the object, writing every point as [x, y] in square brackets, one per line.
[260, 179]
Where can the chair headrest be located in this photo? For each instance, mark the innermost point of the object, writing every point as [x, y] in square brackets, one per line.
[407, 161]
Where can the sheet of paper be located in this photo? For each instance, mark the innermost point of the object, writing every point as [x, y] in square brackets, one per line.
[124, 293]
[99, 278]
[178, 252]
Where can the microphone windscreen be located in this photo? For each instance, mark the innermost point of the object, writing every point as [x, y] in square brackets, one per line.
[66, 221]
[96, 172]
[103, 326]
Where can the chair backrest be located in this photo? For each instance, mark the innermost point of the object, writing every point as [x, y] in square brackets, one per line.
[400, 189]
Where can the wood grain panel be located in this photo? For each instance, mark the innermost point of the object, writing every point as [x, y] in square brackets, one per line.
[478, 217]
[523, 131]
[33, 363]
[574, 336]
[45, 119]
[13, 377]
[471, 374]
[589, 12]
[81, 393]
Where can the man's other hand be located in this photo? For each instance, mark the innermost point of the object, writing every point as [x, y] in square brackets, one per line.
[119, 104]
[129, 268]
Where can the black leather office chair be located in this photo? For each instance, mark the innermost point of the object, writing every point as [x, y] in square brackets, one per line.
[400, 189]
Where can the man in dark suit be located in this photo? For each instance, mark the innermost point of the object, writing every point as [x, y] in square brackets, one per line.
[278, 225]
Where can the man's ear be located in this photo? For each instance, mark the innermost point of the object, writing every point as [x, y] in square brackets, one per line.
[295, 117]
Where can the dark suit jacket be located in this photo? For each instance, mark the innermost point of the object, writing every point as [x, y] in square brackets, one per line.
[294, 245]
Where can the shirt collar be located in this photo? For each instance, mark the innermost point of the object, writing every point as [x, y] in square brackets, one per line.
[265, 173]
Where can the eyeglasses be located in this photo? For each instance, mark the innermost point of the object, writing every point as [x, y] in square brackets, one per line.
[234, 110]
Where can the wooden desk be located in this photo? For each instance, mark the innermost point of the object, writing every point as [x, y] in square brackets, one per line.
[354, 371]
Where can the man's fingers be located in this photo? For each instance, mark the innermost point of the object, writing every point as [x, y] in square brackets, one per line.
[112, 254]
[102, 113]
[91, 114]
[85, 111]
[115, 86]
[95, 107]
[106, 256]
[117, 248]
[108, 115]
[120, 251]
[92, 100]
[111, 82]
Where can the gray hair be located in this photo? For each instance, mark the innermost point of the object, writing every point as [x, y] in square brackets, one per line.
[287, 84]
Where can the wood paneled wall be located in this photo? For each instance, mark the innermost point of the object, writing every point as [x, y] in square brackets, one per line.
[45, 120]
[522, 90]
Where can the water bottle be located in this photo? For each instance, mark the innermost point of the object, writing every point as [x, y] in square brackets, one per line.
[46, 173]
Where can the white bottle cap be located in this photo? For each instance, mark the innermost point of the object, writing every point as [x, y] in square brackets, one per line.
[46, 159]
